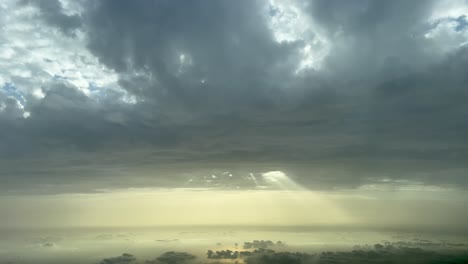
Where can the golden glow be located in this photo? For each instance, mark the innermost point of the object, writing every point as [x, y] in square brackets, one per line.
[146, 207]
[157, 207]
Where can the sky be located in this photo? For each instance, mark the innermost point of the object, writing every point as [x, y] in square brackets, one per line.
[184, 100]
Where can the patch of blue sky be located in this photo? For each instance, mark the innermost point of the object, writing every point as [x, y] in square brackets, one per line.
[10, 90]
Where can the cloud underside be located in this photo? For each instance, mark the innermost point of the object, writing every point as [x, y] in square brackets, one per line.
[335, 93]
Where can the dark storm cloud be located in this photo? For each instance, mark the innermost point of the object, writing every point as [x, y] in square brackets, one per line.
[377, 40]
[196, 58]
[216, 91]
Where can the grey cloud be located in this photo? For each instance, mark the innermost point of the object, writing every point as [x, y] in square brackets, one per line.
[173, 257]
[48, 245]
[53, 14]
[216, 92]
[375, 40]
[226, 66]
[125, 258]
[10, 108]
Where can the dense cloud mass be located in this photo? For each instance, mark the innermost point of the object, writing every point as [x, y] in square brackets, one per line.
[337, 94]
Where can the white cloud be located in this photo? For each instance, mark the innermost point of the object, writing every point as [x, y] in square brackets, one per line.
[38, 93]
[289, 23]
[33, 54]
[446, 33]
[449, 8]
[446, 37]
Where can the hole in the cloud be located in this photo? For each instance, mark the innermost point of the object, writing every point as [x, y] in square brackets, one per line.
[38, 93]
[462, 23]
[184, 61]
[182, 58]
[280, 180]
[288, 23]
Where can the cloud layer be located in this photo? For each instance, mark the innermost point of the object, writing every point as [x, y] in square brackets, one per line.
[335, 93]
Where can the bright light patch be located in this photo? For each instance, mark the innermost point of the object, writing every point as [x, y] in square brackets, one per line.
[129, 99]
[71, 7]
[449, 8]
[280, 180]
[38, 93]
[387, 184]
[185, 61]
[182, 58]
[289, 23]
[448, 23]
[447, 34]
[286, 21]
[150, 207]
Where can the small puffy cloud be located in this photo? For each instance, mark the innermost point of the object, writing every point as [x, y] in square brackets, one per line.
[48, 245]
[125, 258]
[173, 257]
